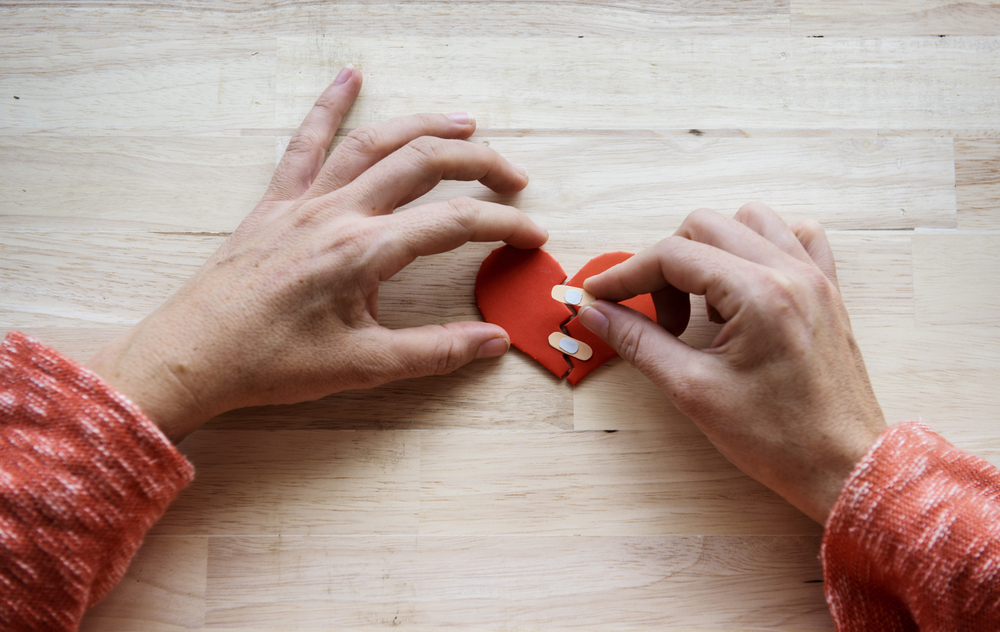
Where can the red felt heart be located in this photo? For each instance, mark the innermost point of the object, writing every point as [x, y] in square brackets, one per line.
[514, 290]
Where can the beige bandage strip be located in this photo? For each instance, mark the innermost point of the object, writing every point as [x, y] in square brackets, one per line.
[572, 295]
[570, 346]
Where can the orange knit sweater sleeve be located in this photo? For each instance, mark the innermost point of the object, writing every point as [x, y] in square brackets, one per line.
[83, 475]
[913, 542]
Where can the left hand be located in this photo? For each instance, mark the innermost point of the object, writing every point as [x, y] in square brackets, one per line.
[286, 310]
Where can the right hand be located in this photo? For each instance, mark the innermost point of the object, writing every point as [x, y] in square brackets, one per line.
[782, 391]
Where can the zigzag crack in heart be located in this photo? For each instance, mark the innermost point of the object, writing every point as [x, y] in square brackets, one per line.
[513, 290]
[562, 328]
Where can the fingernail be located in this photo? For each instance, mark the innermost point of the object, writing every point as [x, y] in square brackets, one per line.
[493, 348]
[462, 118]
[345, 74]
[594, 320]
[521, 170]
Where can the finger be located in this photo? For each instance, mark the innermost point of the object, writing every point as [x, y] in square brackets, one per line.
[657, 353]
[365, 146]
[708, 227]
[761, 219]
[442, 226]
[813, 238]
[440, 349]
[417, 167]
[306, 152]
[724, 279]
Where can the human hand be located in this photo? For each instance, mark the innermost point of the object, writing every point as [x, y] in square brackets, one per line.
[286, 310]
[782, 391]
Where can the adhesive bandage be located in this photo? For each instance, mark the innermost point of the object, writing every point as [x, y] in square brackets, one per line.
[572, 295]
[570, 346]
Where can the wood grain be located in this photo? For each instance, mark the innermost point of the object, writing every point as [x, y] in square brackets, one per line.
[86, 83]
[878, 18]
[875, 275]
[944, 375]
[93, 278]
[647, 83]
[617, 18]
[954, 278]
[517, 582]
[162, 184]
[642, 482]
[164, 589]
[613, 181]
[977, 182]
[298, 483]
[134, 136]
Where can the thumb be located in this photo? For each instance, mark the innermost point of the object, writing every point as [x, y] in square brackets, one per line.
[647, 346]
[440, 349]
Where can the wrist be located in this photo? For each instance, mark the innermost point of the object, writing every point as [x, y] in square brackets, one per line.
[157, 385]
[822, 480]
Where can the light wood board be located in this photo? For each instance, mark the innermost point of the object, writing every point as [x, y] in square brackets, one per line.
[498, 497]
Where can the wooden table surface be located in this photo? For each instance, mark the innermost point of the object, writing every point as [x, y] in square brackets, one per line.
[135, 135]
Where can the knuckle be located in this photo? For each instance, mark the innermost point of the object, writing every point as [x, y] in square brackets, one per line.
[776, 299]
[425, 149]
[365, 140]
[795, 295]
[822, 287]
[695, 221]
[674, 246]
[429, 121]
[464, 208]
[751, 209]
[783, 290]
[810, 228]
[628, 340]
[446, 357]
[353, 243]
[813, 225]
[671, 242]
[327, 101]
[305, 141]
[814, 277]
[701, 214]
